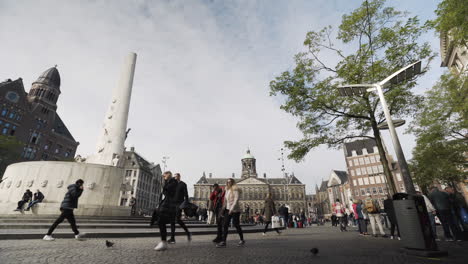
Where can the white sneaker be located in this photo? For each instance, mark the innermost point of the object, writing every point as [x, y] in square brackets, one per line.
[48, 238]
[161, 246]
[399, 238]
[79, 237]
[391, 237]
[264, 234]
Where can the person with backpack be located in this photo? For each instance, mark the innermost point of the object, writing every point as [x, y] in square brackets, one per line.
[372, 209]
[339, 211]
[181, 199]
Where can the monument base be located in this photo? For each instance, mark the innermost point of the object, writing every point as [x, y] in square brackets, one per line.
[100, 195]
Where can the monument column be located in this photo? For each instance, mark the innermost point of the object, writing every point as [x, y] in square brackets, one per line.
[110, 146]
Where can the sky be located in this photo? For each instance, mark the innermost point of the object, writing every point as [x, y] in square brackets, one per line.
[201, 87]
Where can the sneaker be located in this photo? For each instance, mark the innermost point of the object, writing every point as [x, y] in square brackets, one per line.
[399, 238]
[459, 240]
[264, 234]
[161, 246]
[80, 237]
[221, 244]
[171, 241]
[241, 243]
[391, 237]
[449, 240]
[48, 238]
[216, 240]
[437, 239]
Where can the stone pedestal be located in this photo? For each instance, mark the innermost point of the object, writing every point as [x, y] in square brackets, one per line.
[101, 189]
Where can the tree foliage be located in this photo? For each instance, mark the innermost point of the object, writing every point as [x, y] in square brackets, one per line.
[378, 40]
[441, 128]
[383, 40]
[452, 16]
[10, 150]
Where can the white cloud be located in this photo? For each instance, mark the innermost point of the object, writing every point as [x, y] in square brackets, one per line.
[200, 92]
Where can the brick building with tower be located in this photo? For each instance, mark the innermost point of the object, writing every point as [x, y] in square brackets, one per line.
[33, 119]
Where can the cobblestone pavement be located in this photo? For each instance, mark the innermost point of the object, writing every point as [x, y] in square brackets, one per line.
[292, 247]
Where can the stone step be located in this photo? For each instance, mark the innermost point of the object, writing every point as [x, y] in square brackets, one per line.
[15, 234]
[65, 225]
[81, 220]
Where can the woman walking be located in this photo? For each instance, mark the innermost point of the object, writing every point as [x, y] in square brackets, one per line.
[167, 208]
[231, 211]
[269, 210]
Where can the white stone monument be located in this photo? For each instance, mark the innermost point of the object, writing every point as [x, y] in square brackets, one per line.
[101, 172]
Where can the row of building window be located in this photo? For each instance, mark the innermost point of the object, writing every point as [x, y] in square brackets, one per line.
[373, 191]
[367, 170]
[7, 128]
[364, 160]
[11, 114]
[369, 180]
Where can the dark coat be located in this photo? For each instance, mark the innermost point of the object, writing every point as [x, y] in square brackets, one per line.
[27, 196]
[181, 193]
[390, 210]
[269, 209]
[38, 197]
[71, 197]
[167, 205]
[284, 211]
[440, 200]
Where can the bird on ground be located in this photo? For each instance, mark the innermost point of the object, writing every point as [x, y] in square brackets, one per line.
[314, 251]
[109, 244]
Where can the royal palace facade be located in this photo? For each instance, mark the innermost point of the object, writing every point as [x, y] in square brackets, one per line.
[287, 190]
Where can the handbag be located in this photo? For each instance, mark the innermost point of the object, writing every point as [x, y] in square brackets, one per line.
[275, 222]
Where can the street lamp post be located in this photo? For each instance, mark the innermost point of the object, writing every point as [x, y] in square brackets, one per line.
[399, 76]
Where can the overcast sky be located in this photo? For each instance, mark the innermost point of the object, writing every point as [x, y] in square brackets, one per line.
[200, 93]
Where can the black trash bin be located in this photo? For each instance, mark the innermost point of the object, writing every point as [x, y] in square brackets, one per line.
[414, 224]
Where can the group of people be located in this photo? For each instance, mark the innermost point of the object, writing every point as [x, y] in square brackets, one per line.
[30, 199]
[448, 206]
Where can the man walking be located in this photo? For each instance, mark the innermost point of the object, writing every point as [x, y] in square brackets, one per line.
[38, 197]
[441, 202]
[181, 197]
[372, 208]
[69, 203]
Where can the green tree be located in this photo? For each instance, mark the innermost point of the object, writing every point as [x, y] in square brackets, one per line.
[452, 16]
[441, 128]
[382, 40]
[10, 151]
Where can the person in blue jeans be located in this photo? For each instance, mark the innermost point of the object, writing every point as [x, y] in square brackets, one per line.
[37, 198]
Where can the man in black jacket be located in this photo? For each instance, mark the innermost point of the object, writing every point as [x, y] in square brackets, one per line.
[181, 197]
[37, 198]
[69, 203]
[167, 208]
[27, 196]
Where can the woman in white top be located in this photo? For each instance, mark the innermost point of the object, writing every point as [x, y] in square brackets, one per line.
[231, 210]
